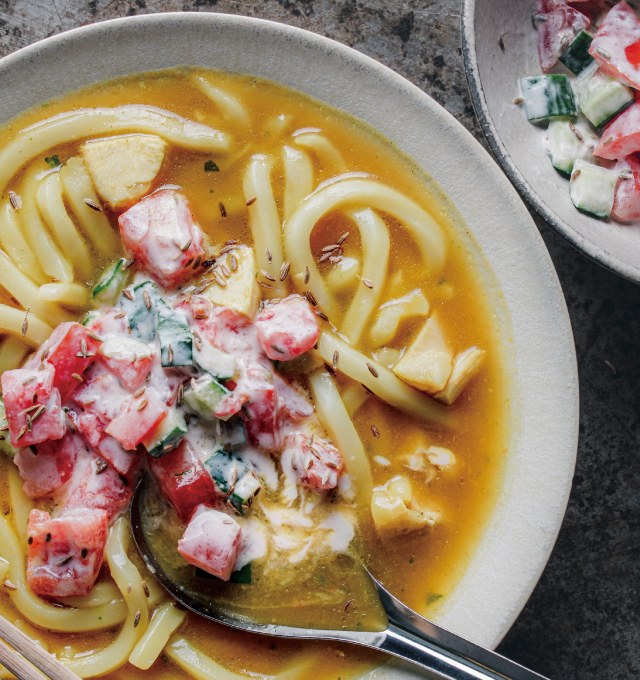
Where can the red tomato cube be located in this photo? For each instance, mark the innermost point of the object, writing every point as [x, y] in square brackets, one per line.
[99, 486]
[154, 231]
[64, 350]
[112, 451]
[65, 554]
[294, 402]
[626, 205]
[622, 136]
[317, 463]
[90, 426]
[138, 417]
[130, 360]
[287, 329]
[562, 24]
[226, 329]
[107, 325]
[616, 45]
[211, 542]
[47, 466]
[184, 480]
[26, 388]
[101, 394]
[261, 415]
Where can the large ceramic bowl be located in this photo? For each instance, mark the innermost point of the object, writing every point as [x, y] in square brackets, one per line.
[539, 467]
[493, 76]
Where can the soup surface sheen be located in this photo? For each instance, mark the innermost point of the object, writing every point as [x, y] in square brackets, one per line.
[452, 465]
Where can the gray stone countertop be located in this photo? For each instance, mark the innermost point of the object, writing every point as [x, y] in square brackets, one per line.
[583, 619]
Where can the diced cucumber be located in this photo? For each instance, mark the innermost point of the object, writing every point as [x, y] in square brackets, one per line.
[601, 97]
[244, 492]
[593, 188]
[240, 576]
[221, 467]
[142, 319]
[203, 396]
[232, 432]
[167, 435]
[576, 57]
[125, 349]
[176, 341]
[5, 441]
[548, 97]
[213, 360]
[567, 142]
[111, 283]
[89, 317]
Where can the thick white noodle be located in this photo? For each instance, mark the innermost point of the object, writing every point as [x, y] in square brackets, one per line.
[66, 294]
[264, 220]
[102, 593]
[374, 237]
[15, 244]
[357, 193]
[51, 207]
[164, 623]
[25, 292]
[128, 580]
[298, 178]
[50, 258]
[386, 386]
[78, 186]
[12, 353]
[336, 421]
[21, 505]
[72, 125]
[327, 155]
[11, 321]
[227, 104]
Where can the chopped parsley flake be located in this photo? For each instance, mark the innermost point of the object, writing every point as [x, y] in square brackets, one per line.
[210, 166]
[433, 598]
[53, 161]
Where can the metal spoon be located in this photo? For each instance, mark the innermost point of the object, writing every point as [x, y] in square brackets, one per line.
[408, 636]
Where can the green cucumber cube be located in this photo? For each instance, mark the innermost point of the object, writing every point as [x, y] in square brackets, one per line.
[142, 319]
[176, 341]
[203, 396]
[240, 576]
[244, 492]
[5, 441]
[231, 432]
[213, 360]
[548, 97]
[576, 57]
[110, 284]
[567, 142]
[167, 435]
[593, 188]
[221, 467]
[601, 97]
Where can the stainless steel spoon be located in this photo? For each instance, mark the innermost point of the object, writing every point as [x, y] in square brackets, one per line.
[408, 636]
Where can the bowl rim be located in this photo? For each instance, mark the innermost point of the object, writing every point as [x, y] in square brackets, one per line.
[499, 151]
[542, 520]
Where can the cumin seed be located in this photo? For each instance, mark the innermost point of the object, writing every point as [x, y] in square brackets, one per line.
[603, 53]
[145, 587]
[607, 140]
[228, 249]
[45, 354]
[326, 256]
[120, 315]
[322, 315]
[219, 280]
[28, 380]
[307, 275]
[128, 294]
[95, 337]
[331, 465]
[15, 200]
[128, 263]
[136, 619]
[269, 255]
[284, 270]
[29, 423]
[251, 201]
[70, 424]
[186, 246]
[225, 270]
[375, 431]
[311, 298]
[64, 560]
[325, 477]
[372, 370]
[139, 393]
[501, 43]
[38, 413]
[328, 249]
[518, 100]
[223, 210]
[187, 418]
[93, 205]
[147, 299]
[25, 323]
[233, 262]
[101, 465]
[83, 347]
[170, 353]
[267, 276]
[142, 405]
[343, 238]
[264, 285]
[367, 283]
[277, 349]
[180, 394]
[77, 377]
[188, 262]
[349, 603]
[329, 368]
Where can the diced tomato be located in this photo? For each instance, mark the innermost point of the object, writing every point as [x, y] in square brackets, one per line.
[26, 388]
[112, 451]
[626, 205]
[137, 418]
[616, 45]
[183, 480]
[47, 466]
[317, 463]
[295, 404]
[130, 368]
[287, 329]
[154, 231]
[66, 553]
[91, 427]
[98, 485]
[108, 325]
[562, 25]
[227, 330]
[261, 415]
[64, 350]
[211, 542]
[622, 136]
[101, 394]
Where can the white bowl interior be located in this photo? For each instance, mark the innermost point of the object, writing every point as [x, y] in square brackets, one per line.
[537, 477]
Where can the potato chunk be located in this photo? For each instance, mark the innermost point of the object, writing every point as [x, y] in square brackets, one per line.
[427, 362]
[394, 312]
[393, 510]
[242, 292]
[465, 367]
[123, 168]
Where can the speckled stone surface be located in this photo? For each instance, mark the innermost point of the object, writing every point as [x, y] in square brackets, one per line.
[583, 620]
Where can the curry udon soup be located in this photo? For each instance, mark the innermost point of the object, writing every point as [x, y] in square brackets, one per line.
[261, 304]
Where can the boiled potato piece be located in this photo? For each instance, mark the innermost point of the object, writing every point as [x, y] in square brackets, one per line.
[393, 511]
[429, 461]
[122, 168]
[242, 292]
[427, 363]
[465, 367]
[343, 274]
[394, 312]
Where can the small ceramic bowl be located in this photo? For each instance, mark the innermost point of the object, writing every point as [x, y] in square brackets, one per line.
[517, 269]
[493, 74]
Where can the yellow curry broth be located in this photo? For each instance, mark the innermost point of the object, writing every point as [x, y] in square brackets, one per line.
[421, 569]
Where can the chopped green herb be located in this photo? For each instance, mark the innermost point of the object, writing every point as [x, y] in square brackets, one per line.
[53, 161]
[433, 598]
[266, 132]
[210, 166]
